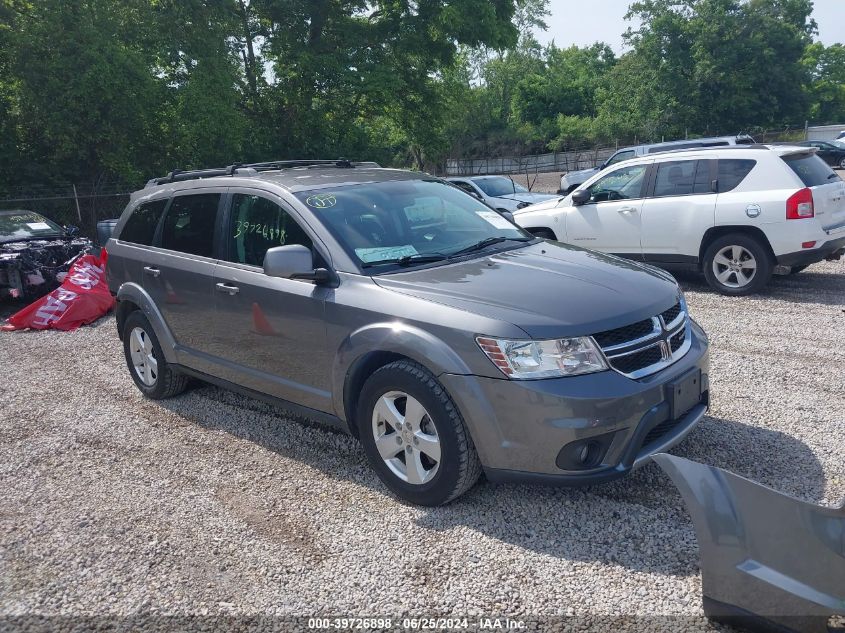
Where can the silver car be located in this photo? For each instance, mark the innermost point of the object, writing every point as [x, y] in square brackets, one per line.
[391, 304]
[500, 192]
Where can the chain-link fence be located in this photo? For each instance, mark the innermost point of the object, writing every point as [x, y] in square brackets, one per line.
[582, 157]
[81, 206]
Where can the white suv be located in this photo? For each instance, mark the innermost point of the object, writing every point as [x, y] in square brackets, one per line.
[738, 214]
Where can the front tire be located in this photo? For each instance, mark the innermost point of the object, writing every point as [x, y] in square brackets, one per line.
[414, 436]
[842, 164]
[150, 371]
[737, 265]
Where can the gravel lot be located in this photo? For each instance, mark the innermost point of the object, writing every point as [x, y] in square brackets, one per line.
[216, 504]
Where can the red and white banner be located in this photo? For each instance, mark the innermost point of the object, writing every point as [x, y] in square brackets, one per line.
[82, 298]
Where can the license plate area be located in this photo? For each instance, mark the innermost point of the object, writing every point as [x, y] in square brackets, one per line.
[685, 393]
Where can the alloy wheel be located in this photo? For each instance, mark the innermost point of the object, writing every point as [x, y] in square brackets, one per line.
[143, 356]
[406, 438]
[734, 266]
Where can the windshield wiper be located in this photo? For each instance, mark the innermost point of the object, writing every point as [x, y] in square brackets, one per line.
[833, 175]
[407, 260]
[488, 242]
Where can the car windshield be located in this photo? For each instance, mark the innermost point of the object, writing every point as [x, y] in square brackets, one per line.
[409, 221]
[838, 144]
[24, 225]
[497, 187]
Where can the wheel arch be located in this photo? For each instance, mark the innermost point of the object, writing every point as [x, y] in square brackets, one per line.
[542, 219]
[131, 297]
[715, 232]
[376, 345]
[535, 229]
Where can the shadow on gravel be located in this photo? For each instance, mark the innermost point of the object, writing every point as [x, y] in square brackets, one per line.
[638, 522]
[805, 287]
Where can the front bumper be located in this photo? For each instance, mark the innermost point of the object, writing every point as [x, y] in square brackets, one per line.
[525, 429]
[830, 249]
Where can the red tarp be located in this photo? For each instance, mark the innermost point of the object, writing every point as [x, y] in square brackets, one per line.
[82, 298]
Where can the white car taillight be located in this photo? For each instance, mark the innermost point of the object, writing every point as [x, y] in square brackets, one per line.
[800, 205]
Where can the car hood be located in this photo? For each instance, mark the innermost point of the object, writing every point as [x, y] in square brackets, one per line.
[545, 205]
[547, 289]
[528, 197]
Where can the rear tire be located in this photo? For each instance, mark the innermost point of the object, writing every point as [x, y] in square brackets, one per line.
[414, 436]
[151, 373]
[842, 164]
[737, 265]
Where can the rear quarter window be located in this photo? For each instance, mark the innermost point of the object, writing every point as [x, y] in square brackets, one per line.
[141, 226]
[811, 169]
[733, 171]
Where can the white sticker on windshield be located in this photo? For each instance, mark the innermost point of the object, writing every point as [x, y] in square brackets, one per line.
[384, 252]
[38, 226]
[495, 219]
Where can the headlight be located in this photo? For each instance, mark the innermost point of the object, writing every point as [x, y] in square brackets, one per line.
[543, 359]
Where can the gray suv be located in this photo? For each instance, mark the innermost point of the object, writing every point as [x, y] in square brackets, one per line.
[448, 340]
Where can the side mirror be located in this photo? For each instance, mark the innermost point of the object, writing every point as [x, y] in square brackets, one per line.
[582, 196]
[508, 216]
[293, 261]
[71, 230]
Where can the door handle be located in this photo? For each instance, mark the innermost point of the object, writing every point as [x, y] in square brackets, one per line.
[149, 270]
[232, 290]
[627, 210]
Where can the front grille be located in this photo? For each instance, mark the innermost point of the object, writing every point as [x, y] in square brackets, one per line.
[624, 334]
[633, 362]
[678, 339]
[671, 314]
[646, 346]
[660, 430]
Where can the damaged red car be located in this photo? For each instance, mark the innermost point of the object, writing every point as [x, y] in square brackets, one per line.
[35, 253]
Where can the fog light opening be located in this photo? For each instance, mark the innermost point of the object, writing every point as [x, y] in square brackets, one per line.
[590, 454]
[585, 454]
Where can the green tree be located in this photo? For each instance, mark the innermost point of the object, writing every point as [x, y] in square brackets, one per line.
[826, 91]
[725, 65]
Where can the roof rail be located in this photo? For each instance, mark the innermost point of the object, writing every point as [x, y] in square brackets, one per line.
[241, 169]
[709, 148]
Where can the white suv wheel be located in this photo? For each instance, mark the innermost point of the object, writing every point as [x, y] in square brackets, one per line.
[734, 266]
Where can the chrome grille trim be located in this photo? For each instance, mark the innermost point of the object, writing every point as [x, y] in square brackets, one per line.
[660, 337]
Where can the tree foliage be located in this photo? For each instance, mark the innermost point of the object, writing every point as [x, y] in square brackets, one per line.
[95, 90]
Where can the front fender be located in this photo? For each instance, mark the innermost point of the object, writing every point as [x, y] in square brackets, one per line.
[130, 291]
[542, 219]
[394, 338]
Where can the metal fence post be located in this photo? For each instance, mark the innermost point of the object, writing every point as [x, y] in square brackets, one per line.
[76, 199]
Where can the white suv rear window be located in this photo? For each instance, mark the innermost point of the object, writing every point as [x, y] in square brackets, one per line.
[811, 169]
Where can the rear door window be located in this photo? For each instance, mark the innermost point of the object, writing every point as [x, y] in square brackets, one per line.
[141, 226]
[189, 224]
[733, 171]
[811, 169]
